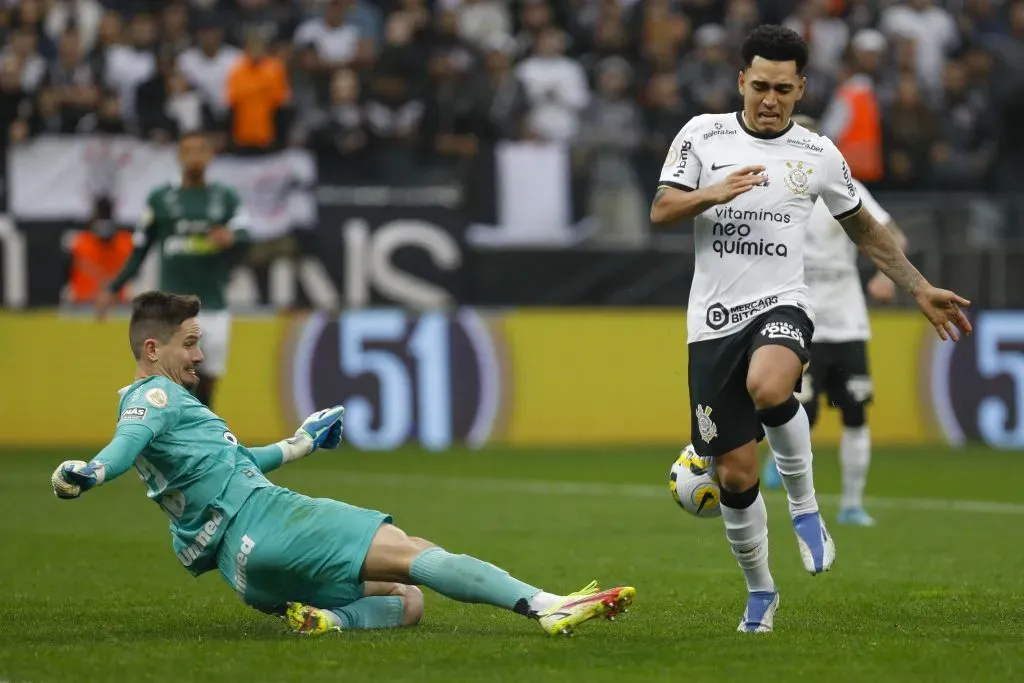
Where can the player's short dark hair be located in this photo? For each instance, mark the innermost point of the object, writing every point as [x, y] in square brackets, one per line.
[776, 44]
[157, 315]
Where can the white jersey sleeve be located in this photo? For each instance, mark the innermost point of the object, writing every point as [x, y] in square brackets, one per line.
[682, 166]
[871, 204]
[837, 189]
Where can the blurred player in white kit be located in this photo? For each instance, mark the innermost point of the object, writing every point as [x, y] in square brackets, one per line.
[839, 365]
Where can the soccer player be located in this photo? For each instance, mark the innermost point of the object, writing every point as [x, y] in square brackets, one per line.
[750, 181]
[321, 564]
[839, 355]
[202, 232]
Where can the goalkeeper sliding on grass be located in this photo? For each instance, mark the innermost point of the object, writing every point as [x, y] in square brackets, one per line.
[319, 563]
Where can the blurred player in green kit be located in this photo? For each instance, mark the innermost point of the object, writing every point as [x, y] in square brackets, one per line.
[202, 233]
[321, 564]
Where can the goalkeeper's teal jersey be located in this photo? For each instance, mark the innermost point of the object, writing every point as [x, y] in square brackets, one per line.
[194, 467]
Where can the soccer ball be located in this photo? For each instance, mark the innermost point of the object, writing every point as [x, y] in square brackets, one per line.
[694, 485]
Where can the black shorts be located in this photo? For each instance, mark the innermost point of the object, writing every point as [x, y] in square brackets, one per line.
[723, 416]
[840, 371]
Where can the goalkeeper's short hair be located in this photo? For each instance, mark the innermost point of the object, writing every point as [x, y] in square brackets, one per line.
[157, 315]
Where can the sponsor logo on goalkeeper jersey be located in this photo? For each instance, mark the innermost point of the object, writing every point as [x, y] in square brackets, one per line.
[205, 537]
[241, 562]
[134, 413]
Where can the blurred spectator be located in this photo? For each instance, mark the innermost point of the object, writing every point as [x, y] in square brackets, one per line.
[275, 20]
[72, 80]
[394, 110]
[82, 15]
[479, 20]
[504, 100]
[853, 119]
[962, 157]
[97, 255]
[107, 118]
[207, 65]
[910, 129]
[1007, 101]
[340, 132]
[128, 66]
[110, 33]
[710, 79]
[24, 47]
[611, 131]
[174, 29]
[535, 17]
[15, 103]
[257, 91]
[935, 36]
[826, 35]
[556, 89]
[464, 55]
[340, 40]
[166, 104]
[666, 108]
[451, 116]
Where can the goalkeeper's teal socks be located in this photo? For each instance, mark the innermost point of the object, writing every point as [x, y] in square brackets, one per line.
[467, 579]
[376, 611]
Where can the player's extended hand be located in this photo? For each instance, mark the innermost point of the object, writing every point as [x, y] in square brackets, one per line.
[736, 183]
[942, 308]
[72, 478]
[104, 300]
[222, 237]
[881, 288]
[324, 427]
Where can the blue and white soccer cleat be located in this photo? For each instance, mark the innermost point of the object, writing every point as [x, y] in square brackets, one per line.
[817, 549]
[770, 477]
[855, 517]
[759, 616]
[324, 427]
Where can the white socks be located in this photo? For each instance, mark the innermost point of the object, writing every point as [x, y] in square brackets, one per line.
[542, 601]
[747, 533]
[855, 458]
[791, 445]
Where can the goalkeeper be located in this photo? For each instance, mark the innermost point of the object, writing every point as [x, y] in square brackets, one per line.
[321, 564]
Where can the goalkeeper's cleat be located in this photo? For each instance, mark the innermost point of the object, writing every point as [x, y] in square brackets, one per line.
[759, 616]
[770, 477]
[855, 517]
[583, 605]
[309, 620]
[817, 549]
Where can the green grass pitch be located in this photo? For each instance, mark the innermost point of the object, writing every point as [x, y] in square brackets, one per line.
[91, 590]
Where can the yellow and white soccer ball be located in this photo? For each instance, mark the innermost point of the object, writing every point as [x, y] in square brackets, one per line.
[694, 485]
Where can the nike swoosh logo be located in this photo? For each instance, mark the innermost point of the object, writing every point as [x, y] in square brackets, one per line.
[715, 168]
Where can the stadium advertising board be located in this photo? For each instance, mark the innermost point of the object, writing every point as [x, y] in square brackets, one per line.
[521, 377]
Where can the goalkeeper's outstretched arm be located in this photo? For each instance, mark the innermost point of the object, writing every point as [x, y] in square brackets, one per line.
[320, 430]
[74, 477]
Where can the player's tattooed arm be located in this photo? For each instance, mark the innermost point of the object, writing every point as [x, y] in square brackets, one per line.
[881, 245]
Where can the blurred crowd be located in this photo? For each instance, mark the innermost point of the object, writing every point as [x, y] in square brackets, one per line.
[415, 89]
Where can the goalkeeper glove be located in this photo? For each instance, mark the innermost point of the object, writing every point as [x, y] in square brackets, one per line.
[324, 427]
[74, 477]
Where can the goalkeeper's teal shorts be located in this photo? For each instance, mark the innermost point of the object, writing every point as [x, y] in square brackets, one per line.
[285, 547]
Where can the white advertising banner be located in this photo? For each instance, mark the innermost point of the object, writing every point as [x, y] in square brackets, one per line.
[57, 178]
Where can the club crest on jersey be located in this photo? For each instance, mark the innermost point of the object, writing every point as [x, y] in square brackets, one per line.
[798, 180]
[708, 429]
[156, 398]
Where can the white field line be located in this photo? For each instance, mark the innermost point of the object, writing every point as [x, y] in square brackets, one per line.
[577, 488]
